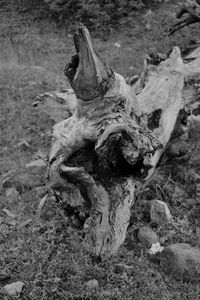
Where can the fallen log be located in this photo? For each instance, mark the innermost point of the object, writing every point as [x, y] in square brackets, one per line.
[112, 137]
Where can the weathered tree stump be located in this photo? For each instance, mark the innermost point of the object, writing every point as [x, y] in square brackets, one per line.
[111, 136]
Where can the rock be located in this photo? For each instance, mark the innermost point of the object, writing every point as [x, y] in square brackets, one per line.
[92, 284]
[159, 212]
[155, 248]
[23, 145]
[117, 45]
[147, 236]
[176, 150]
[12, 195]
[82, 216]
[182, 261]
[13, 289]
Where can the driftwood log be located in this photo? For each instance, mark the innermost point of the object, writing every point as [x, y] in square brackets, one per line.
[110, 135]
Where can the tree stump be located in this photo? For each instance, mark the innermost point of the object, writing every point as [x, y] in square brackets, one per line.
[111, 136]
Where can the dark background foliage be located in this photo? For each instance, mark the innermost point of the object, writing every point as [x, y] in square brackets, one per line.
[98, 15]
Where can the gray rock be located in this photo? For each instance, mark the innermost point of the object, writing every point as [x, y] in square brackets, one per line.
[159, 212]
[182, 261]
[13, 289]
[92, 284]
[147, 236]
[12, 195]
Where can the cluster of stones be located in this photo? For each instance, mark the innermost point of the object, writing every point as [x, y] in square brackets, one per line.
[179, 260]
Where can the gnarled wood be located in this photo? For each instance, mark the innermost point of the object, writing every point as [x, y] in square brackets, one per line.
[160, 97]
[104, 119]
[115, 135]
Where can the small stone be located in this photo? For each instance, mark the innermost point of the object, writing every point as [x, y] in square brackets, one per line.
[117, 45]
[148, 26]
[82, 216]
[159, 212]
[155, 248]
[147, 236]
[182, 261]
[12, 195]
[177, 149]
[92, 284]
[13, 289]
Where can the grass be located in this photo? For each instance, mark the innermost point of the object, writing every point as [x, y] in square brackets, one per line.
[45, 254]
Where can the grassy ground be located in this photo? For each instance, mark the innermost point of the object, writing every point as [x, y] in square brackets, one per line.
[43, 253]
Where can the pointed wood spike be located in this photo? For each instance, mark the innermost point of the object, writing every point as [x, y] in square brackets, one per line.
[88, 74]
